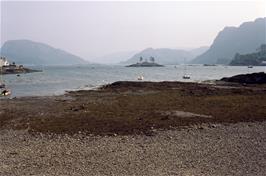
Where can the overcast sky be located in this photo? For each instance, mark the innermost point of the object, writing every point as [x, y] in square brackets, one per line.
[94, 29]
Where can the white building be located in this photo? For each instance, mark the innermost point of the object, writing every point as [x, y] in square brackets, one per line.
[3, 62]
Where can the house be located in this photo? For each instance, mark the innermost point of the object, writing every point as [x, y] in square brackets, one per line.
[3, 62]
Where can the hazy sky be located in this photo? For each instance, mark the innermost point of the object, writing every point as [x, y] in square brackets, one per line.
[94, 29]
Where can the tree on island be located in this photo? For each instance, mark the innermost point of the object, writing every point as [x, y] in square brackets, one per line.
[152, 59]
[140, 59]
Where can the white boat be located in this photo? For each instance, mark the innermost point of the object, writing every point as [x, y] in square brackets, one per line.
[186, 77]
[140, 77]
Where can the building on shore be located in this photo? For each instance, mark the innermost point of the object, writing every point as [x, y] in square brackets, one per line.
[4, 62]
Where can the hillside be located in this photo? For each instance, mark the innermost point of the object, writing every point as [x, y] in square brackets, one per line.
[32, 53]
[256, 58]
[231, 40]
[167, 56]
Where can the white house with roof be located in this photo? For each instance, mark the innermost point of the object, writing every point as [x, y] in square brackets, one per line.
[3, 62]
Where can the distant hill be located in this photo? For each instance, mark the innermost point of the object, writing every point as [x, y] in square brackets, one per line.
[231, 40]
[198, 51]
[32, 53]
[166, 56]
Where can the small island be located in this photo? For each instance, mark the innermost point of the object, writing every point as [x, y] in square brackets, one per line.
[145, 63]
[12, 68]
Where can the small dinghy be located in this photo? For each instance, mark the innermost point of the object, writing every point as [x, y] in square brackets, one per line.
[186, 77]
[140, 77]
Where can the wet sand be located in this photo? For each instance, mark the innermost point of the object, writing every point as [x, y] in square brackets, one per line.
[141, 128]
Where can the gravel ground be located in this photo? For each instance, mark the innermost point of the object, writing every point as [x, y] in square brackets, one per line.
[235, 149]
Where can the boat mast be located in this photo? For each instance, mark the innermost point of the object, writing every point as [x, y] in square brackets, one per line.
[185, 66]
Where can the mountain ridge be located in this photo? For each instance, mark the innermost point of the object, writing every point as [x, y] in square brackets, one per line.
[36, 53]
[231, 40]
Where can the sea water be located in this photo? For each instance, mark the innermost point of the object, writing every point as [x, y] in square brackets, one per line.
[55, 80]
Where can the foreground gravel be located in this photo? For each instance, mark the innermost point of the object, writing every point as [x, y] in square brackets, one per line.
[236, 149]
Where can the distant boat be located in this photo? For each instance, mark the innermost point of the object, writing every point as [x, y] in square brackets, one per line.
[140, 77]
[250, 66]
[185, 76]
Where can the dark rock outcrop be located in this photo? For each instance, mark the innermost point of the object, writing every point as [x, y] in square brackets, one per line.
[253, 78]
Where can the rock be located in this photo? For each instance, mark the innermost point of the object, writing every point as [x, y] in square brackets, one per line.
[253, 78]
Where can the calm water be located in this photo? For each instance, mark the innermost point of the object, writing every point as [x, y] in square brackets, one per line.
[57, 80]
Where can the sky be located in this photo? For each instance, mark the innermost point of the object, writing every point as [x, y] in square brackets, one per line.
[92, 29]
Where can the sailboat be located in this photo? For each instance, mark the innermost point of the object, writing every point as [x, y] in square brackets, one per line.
[185, 76]
[140, 78]
[4, 90]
